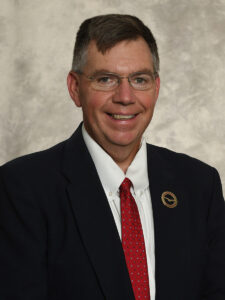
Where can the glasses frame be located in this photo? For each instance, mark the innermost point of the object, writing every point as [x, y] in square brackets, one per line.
[92, 78]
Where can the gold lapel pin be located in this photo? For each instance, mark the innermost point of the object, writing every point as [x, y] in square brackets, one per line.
[169, 199]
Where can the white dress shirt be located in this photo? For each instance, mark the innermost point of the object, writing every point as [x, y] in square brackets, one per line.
[111, 177]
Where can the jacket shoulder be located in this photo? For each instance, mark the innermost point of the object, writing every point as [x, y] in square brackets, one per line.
[179, 161]
[37, 162]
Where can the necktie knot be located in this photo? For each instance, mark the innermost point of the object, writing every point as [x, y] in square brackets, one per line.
[125, 185]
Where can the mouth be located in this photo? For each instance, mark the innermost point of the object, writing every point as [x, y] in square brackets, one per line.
[122, 117]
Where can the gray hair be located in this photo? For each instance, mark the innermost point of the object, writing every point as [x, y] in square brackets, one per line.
[107, 31]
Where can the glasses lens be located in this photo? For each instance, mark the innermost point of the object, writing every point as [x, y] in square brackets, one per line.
[105, 82]
[141, 81]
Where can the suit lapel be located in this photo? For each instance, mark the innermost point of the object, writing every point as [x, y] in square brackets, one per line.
[171, 228]
[95, 220]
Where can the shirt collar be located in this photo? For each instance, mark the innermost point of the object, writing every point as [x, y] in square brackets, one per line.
[109, 172]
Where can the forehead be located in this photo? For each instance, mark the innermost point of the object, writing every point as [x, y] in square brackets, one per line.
[125, 57]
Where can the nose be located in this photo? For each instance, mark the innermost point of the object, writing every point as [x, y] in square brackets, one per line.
[124, 93]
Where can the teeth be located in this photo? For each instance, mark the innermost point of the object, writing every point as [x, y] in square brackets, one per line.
[122, 117]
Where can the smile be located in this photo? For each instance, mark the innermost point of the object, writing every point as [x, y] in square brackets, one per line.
[122, 117]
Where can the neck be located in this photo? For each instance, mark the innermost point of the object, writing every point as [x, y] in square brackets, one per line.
[122, 155]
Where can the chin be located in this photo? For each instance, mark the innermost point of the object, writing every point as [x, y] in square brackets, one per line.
[124, 141]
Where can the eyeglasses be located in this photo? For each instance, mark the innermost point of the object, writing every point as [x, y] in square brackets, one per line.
[106, 81]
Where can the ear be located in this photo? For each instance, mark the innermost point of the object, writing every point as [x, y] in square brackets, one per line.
[73, 87]
[157, 87]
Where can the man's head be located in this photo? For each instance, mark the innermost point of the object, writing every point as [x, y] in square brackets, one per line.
[115, 81]
[107, 31]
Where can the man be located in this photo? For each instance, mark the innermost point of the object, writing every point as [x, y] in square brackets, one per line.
[103, 215]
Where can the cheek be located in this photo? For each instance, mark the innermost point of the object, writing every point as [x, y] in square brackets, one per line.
[91, 106]
[94, 101]
[148, 103]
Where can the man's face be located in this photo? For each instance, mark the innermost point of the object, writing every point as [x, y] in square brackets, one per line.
[118, 117]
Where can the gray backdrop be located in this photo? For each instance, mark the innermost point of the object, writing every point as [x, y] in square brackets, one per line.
[37, 39]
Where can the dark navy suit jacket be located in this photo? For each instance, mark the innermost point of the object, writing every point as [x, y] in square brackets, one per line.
[58, 239]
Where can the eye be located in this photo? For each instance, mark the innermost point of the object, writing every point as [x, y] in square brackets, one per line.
[105, 80]
[140, 79]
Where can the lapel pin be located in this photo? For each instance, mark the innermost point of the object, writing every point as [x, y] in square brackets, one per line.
[169, 199]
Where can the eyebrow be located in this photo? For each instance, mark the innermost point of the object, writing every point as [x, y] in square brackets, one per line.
[102, 71]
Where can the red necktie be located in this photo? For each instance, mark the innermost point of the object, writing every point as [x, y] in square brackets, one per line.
[133, 243]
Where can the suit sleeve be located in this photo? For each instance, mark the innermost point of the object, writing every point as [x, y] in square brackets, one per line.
[214, 283]
[23, 271]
